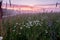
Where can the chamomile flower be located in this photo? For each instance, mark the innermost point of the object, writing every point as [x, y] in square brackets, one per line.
[28, 27]
[19, 33]
[21, 27]
[14, 26]
[13, 30]
[46, 31]
[17, 23]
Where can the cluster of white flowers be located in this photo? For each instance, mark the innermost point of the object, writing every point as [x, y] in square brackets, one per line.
[37, 22]
[18, 23]
[31, 23]
[28, 24]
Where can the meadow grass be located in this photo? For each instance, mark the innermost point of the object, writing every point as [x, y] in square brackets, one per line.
[38, 26]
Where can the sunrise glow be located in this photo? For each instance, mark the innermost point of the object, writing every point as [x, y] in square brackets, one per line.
[34, 9]
[25, 8]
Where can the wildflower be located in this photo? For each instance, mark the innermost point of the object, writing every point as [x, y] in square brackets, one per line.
[23, 25]
[30, 22]
[28, 27]
[37, 21]
[17, 23]
[40, 24]
[21, 28]
[46, 31]
[1, 38]
[27, 24]
[19, 33]
[13, 30]
[34, 22]
[14, 26]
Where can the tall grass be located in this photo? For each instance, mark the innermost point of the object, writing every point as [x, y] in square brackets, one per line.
[45, 26]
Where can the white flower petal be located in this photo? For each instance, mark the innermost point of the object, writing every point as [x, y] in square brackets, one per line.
[21, 27]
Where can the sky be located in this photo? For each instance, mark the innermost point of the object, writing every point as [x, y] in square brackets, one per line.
[32, 2]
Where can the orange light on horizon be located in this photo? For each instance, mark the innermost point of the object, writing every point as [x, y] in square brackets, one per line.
[18, 8]
[26, 8]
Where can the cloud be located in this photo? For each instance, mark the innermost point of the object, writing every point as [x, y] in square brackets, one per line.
[31, 2]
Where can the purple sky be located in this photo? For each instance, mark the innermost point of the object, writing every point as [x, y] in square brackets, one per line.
[32, 2]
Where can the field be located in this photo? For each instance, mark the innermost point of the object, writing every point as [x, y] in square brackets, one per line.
[38, 26]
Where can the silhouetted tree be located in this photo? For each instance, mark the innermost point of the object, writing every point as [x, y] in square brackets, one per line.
[10, 2]
[56, 4]
[1, 14]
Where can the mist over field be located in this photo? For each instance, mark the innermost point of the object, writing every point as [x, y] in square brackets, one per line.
[20, 9]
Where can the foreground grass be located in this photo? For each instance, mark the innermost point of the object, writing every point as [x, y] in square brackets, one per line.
[37, 26]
